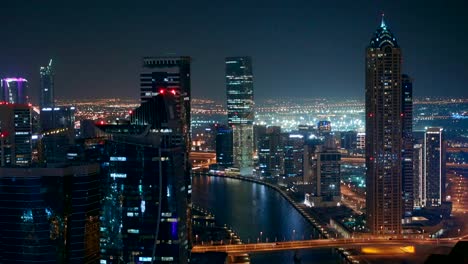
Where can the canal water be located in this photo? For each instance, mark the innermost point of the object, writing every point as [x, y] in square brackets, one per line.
[258, 213]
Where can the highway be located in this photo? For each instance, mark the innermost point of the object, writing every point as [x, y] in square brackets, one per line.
[202, 159]
[320, 243]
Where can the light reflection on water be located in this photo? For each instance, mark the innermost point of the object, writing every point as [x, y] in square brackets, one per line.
[251, 208]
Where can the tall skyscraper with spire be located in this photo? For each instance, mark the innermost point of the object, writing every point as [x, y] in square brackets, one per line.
[240, 103]
[47, 86]
[384, 119]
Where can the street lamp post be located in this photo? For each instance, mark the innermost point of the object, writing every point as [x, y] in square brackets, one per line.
[294, 234]
[196, 239]
[261, 233]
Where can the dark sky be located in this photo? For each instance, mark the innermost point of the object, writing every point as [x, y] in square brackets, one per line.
[299, 48]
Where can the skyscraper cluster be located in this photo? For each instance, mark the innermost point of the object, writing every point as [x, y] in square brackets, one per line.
[124, 190]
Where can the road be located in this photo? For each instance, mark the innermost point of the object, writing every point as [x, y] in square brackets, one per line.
[202, 159]
[320, 243]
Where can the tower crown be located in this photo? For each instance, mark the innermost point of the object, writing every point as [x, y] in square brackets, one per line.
[383, 36]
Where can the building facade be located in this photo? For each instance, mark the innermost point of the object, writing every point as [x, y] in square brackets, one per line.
[50, 215]
[240, 103]
[270, 153]
[407, 148]
[293, 145]
[14, 91]
[323, 174]
[147, 175]
[224, 148]
[47, 87]
[434, 166]
[15, 135]
[169, 75]
[383, 133]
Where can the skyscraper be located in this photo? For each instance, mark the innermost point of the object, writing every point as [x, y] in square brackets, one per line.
[50, 215]
[419, 179]
[383, 133]
[146, 175]
[322, 173]
[293, 147]
[434, 166]
[47, 87]
[166, 75]
[224, 146]
[162, 75]
[407, 150]
[15, 135]
[240, 103]
[270, 153]
[14, 91]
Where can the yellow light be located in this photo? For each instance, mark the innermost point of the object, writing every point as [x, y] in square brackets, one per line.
[370, 250]
[408, 249]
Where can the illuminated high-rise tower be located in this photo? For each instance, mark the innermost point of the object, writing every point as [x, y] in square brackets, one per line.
[47, 86]
[407, 147]
[434, 166]
[14, 91]
[240, 103]
[384, 133]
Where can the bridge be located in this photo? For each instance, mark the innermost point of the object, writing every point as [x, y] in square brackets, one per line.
[322, 243]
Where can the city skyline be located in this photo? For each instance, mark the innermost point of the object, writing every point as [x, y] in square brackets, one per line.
[297, 37]
[318, 143]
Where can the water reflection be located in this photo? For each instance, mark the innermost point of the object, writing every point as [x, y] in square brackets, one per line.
[256, 213]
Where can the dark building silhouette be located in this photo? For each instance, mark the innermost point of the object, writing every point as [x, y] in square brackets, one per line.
[293, 154]
[147, 175]
[348, 140]
[169, 75]
[434, 166]
[322, 173]
[47, 88]
[224, 147]
[49, 215]
[270, 153]
[383, 133]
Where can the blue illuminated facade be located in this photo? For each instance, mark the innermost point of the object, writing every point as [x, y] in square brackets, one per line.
[49, 215]
[146, 193]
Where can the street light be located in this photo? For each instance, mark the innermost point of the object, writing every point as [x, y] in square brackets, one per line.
[261, 233]
[196, 239]
[294, 234]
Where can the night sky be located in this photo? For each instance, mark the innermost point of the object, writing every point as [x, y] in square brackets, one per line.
[299, 48]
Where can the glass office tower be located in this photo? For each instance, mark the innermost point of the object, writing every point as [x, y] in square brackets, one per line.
[240, 103]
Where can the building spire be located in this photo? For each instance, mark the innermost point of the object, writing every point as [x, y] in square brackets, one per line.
[382, 24]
